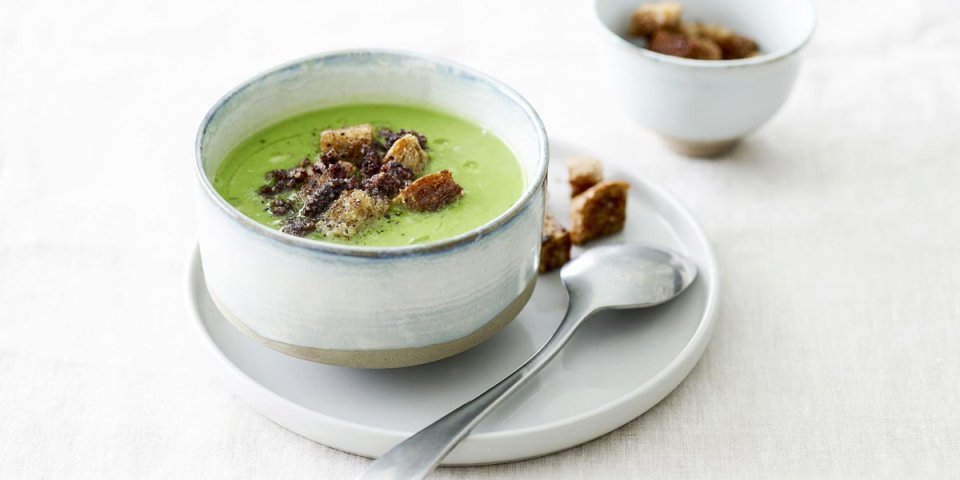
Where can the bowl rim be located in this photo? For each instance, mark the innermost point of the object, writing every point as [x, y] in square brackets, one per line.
[762, 59]
[531, 189]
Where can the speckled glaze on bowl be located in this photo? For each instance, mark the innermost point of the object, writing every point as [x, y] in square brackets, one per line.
[363, 306]
[704, 107]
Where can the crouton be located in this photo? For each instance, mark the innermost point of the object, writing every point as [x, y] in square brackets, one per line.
[351, 212]
[682, 45]
[347, 142]
[406, 151]
[554, 245]
[655, 16]
[599, 211]
[705, 49]
[703, 30]
[732, 46]
[736, 46]
[431, 192]
[583, 173]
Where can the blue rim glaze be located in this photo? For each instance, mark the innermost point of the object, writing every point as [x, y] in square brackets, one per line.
[716, 64]
[319, 246]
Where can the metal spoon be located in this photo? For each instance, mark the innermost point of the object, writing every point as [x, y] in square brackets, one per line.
[611, 277]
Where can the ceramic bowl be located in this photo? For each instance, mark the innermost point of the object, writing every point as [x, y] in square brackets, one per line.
[703, 107]
[363, 306]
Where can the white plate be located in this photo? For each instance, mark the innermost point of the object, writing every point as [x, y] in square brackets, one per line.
[618, 366]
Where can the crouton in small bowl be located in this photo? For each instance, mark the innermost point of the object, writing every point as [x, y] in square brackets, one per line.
[702, 73]
[313, 262]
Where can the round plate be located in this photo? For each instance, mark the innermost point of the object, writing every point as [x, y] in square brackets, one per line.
[619, 365]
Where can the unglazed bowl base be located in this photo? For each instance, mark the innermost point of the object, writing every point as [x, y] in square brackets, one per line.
[391, 358]
[711, 149]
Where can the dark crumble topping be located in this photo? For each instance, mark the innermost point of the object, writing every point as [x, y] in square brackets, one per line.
[383, 185]
[396, 169]
[318, 169]
[329, 158]
[267, 191]
[389, 137]
[391, 178]
[356, 180]
[299, 226]
[280, 206]
[284, 180]
[317, 201]
[372, 159]
[340, 170]
[370, 168]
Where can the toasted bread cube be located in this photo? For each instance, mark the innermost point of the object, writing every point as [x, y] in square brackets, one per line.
[406, 150]
[655, 16]
[349, 213]
[736, 46]
[346, 142]
[431, 192]
[599, 211]
[583, 173]
[554, 245]
[732, 46]
[681, 45]
[704, 30]
[706, 49]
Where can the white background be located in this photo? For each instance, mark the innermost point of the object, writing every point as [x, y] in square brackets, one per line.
[837, 228]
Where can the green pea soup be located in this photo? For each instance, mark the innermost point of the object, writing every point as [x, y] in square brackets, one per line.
[481, 163]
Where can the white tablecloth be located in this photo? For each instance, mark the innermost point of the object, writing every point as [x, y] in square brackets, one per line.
[837, 228]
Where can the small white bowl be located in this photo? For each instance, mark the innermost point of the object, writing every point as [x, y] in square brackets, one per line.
[364, 306]
[703, 107]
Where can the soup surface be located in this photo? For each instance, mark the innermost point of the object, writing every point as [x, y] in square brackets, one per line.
[481, 163]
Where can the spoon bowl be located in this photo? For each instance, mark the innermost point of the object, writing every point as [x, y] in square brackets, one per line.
[627, 276]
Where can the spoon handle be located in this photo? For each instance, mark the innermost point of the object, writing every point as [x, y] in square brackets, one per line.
[417, 456]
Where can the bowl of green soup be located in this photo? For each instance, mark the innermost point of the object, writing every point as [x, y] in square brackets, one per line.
[370, 208]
